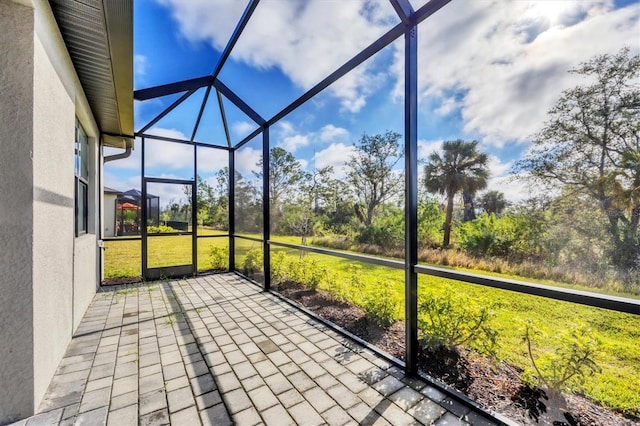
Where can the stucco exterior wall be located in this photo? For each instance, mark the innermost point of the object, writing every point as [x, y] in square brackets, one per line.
[64, 266]
[48, 276]
[53, 219]
[16, 213]
[109, 207]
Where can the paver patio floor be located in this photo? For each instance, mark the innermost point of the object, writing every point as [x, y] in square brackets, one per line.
[217, 350]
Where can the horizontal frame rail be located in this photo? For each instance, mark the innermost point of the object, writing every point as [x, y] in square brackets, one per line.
[133, 238]
[182, 141]
[396, 264]
[258, 240]
[168, 234]
[614, 303]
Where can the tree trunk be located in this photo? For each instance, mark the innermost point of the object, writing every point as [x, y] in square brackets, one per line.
[469, 208]
[447, 221]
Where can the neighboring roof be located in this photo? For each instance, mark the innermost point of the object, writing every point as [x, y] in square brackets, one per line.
[108, 190]
[135, 193]
[99, 38]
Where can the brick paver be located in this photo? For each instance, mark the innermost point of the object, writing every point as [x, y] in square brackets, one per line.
[218, 350]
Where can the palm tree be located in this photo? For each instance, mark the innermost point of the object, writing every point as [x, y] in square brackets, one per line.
[460, 168]
[493, 202]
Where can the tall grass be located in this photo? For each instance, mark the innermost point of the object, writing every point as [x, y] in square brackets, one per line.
[602, 280]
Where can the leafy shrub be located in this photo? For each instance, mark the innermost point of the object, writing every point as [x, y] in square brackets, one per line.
[253, 261]
[159, 229]
[571, 355]
[219, 257]
[381, 303]
[279, 267]
[313, 273]
[446, 319]
[430, 223]
[386, 231]
[305, 270]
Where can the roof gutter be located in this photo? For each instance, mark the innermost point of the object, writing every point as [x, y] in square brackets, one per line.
[117, 141]
[125, 154]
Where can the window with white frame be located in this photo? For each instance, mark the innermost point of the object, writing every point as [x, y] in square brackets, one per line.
[82, 180]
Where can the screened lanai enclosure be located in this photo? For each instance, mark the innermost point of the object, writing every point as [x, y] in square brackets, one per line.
[515, 307]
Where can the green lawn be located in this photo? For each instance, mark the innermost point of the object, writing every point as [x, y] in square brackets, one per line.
[616, 386]
[124, 258]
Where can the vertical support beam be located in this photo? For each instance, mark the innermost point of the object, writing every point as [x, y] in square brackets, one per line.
[232, 209]
[411, 196]
[266, 216]
[194, 212]
[143, 211]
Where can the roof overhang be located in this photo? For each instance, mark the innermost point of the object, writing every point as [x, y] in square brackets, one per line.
[99, 37]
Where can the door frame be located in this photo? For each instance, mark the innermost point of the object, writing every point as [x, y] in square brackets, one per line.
[177, 270]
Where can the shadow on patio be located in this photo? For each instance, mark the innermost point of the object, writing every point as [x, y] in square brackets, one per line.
[218, 350]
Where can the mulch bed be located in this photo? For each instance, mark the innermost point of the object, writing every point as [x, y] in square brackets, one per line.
[495, 385]
[121, 280]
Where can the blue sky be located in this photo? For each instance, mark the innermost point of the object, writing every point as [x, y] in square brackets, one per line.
[489, 70]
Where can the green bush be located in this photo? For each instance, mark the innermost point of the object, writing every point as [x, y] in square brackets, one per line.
[302, 270]
[430, 223]
[219, 257]
[159, 229]
[447, 319]
[570, 356]
[386, 231]
[501, 236]
[253, 261]
[279, 267]
[381, 303]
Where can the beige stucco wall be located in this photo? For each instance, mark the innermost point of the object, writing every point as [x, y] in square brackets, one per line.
[53, 219]
[16, 213]
[109, 208]
[65, 266]
[48, 275]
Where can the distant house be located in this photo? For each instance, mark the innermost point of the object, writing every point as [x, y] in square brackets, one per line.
[127, 212]
[66, 78]
[109, 208]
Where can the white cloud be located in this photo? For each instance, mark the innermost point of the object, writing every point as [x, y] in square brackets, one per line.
[303, 163]
[503, 63]
[334, 155]
[514, 188]
[140, 63]
[243, 128]
[331, 133]
[211, 160]
[292, 143]
[289, 138]
[117, 181]
[497, 168]
[426, 148]
[168, 156]
[158, 153]
[305, 40]
[447, 106]
[246, 160]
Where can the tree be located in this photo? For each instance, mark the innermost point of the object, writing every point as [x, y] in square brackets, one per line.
[300, 214]
[460, 168]
[591, 144]
[285, 174]
[493, 202]
[371, 173]
[248, 205]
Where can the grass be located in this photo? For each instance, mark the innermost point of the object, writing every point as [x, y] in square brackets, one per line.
[616, 386]
[124, 258]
